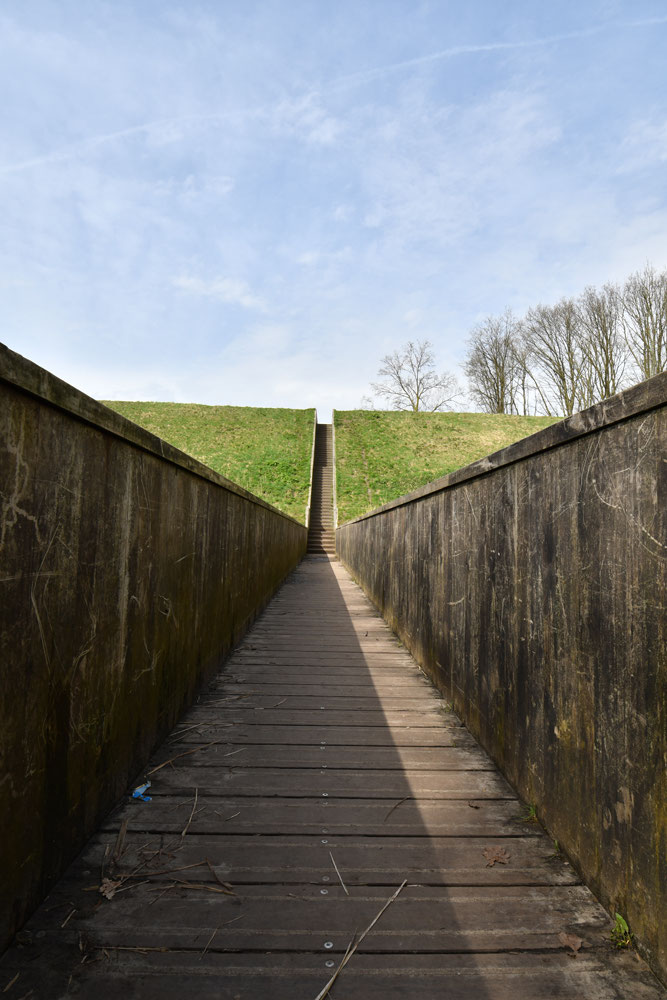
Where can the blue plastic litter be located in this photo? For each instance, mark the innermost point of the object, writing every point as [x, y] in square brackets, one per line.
[138, 792]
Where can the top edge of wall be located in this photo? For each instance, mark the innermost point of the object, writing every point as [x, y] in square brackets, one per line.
[28, 377]
[632, 402]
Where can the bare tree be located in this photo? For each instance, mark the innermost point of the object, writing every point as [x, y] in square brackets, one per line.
[568, 356]
[411, 382]
[645, 316]
[560, 369]
[525, 386]
[603, 346]
[496, 365]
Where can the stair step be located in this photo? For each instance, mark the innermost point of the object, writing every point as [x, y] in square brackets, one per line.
[321, 536]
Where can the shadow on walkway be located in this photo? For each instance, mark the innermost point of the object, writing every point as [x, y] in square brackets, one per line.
[319, 773]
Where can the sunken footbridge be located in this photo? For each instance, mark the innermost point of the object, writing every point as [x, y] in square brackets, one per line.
[420, 755]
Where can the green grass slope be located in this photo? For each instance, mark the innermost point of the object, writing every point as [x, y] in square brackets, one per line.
[381, 455]
[266, 450]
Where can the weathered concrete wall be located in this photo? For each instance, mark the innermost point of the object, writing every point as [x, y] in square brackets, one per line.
[531, 587]
[127, 573]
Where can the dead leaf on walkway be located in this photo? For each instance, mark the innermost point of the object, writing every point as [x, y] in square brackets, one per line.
[108, 888]
[570, 941]
[496, 854]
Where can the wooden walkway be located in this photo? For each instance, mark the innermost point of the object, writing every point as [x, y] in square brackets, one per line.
[319, 775]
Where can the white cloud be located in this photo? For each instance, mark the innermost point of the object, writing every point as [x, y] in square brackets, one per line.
[232, 291]
[433, 175]
[269, 340]
[645, 145]
[342, 213]
[306, 117]
[310, 257]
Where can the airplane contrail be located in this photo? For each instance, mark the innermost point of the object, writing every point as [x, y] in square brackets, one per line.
[341, 83]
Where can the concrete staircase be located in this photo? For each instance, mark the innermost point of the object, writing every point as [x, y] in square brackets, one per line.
[321, 539]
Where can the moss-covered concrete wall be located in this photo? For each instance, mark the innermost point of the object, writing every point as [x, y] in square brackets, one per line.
[127, 573]
[531, 587]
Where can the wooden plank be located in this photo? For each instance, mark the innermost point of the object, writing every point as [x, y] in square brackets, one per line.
[313, 703]
[427, 717]
[302, 919]
[368, 633]
[270, 975]
[443, 861]
[366, 629]
[215, 738]
[400, 688]
[331, 645]
[341, 817]
[327, 657]
[327, 674]
[243, 732]
[328, 782]
[469, 758]
[343, 678]
[349, 662]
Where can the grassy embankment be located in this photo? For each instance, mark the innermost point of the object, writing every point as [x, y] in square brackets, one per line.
[381, 455]
[265, 450]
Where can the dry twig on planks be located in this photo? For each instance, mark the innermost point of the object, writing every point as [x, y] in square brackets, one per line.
[217, 878]
[120, 842]
[338, 873]
[194, 806]
[356, 941]
[209, 942]
[109, 887]
[177, 736]
[226, 924]
[204, 888]
[396, 807]
[138, 949]
[184, 754]
[11, 983]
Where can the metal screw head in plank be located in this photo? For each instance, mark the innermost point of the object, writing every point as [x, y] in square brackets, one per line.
[330, 964]
[325, 795]
[328, 944]
[324, 841]
[324, 892]
[325, 878]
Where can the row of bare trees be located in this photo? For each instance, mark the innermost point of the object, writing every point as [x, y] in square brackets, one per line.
[562, 358]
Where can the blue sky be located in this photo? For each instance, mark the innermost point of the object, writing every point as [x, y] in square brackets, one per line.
[252, 202]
